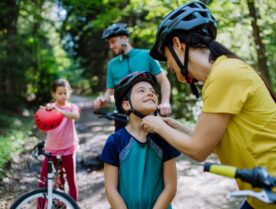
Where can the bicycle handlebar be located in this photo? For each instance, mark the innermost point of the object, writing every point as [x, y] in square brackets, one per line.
[257, 177]
[39, 150]
[112, 116]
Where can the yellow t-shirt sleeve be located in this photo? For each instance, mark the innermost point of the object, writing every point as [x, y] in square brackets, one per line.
[227, 87]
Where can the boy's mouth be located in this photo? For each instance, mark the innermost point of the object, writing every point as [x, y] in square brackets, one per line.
[149, 100]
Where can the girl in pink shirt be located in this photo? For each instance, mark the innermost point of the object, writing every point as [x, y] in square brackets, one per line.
[62, 140]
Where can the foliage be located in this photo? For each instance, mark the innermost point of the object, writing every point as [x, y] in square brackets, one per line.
[11, 143]
[84, 26]
[13, 134]
[42, 40]
[31, 53]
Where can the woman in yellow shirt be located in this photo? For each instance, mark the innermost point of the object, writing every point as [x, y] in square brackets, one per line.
[238, 118]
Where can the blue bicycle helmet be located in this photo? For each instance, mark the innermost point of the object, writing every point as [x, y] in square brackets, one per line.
[191, 19]
[193, 16]
[122, 90]
[116, 29]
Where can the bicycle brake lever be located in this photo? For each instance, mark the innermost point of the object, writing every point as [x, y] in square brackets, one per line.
[35, 154]
[263, 196]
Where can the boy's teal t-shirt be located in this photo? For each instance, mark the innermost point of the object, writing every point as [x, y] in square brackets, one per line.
[137, 60]
[140, 167]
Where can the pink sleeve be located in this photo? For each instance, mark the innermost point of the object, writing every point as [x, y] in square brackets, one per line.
[74, 107]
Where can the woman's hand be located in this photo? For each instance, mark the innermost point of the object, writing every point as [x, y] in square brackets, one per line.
[152, 123]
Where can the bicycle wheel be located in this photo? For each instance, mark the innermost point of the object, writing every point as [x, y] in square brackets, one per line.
[30, 200]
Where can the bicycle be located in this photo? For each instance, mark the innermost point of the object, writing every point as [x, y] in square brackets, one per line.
[53, 196]
[112, 116]
[257, 177]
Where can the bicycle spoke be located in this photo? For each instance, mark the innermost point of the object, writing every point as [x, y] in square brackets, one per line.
[37, 199]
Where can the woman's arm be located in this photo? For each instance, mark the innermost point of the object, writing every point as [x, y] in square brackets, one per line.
[170, 185]
[208, 132]
[177, 125]
[111, 187]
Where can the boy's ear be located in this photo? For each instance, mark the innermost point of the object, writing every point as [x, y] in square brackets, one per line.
[126, 105]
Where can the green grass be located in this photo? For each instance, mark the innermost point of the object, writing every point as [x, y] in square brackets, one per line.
[14, 133]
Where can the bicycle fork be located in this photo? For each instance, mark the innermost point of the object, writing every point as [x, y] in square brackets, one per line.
[50, 177]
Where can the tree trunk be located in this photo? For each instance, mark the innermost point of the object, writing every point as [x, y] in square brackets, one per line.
[8, 21]
[260, 47]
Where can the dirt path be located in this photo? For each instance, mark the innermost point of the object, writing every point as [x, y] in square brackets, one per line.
[196, 190]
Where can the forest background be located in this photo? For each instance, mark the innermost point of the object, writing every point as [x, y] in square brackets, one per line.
[42, 40]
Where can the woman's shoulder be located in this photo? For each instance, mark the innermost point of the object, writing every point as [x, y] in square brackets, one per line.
[230, 65]
[231, 68]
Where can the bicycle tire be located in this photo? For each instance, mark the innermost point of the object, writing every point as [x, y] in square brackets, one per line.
[29, 200]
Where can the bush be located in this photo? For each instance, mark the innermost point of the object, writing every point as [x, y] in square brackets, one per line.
[13, 142]
[14, 131]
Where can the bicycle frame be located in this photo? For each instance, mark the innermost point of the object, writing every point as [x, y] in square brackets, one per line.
[112, 116]
[50, 175]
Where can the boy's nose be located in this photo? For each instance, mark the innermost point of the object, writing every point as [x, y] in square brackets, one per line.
[150, 93]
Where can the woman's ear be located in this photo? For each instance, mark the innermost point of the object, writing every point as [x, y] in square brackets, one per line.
[126, 105]
[177, 44]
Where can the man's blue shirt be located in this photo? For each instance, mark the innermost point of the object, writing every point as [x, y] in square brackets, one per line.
[136, 60]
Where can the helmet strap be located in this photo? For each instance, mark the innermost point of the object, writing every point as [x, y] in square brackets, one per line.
[135, 112]
[184, 68]
[123, 47]
[132, 110]
[140, 115]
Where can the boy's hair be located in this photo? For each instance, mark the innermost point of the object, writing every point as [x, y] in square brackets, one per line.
[61, 82]
[123, 89]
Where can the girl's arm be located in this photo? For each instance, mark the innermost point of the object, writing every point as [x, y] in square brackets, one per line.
[74, 115]
[170, 185]
[111, 187]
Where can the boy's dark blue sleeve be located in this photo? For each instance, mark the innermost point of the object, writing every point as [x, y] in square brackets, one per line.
[110, 153]
[169, 152]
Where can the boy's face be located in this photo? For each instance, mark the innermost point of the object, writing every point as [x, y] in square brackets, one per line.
[143, 98]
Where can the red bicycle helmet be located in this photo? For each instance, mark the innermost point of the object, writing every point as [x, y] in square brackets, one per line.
[47, 119]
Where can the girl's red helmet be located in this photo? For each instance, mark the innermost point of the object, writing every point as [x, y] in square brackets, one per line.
[47, 119]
